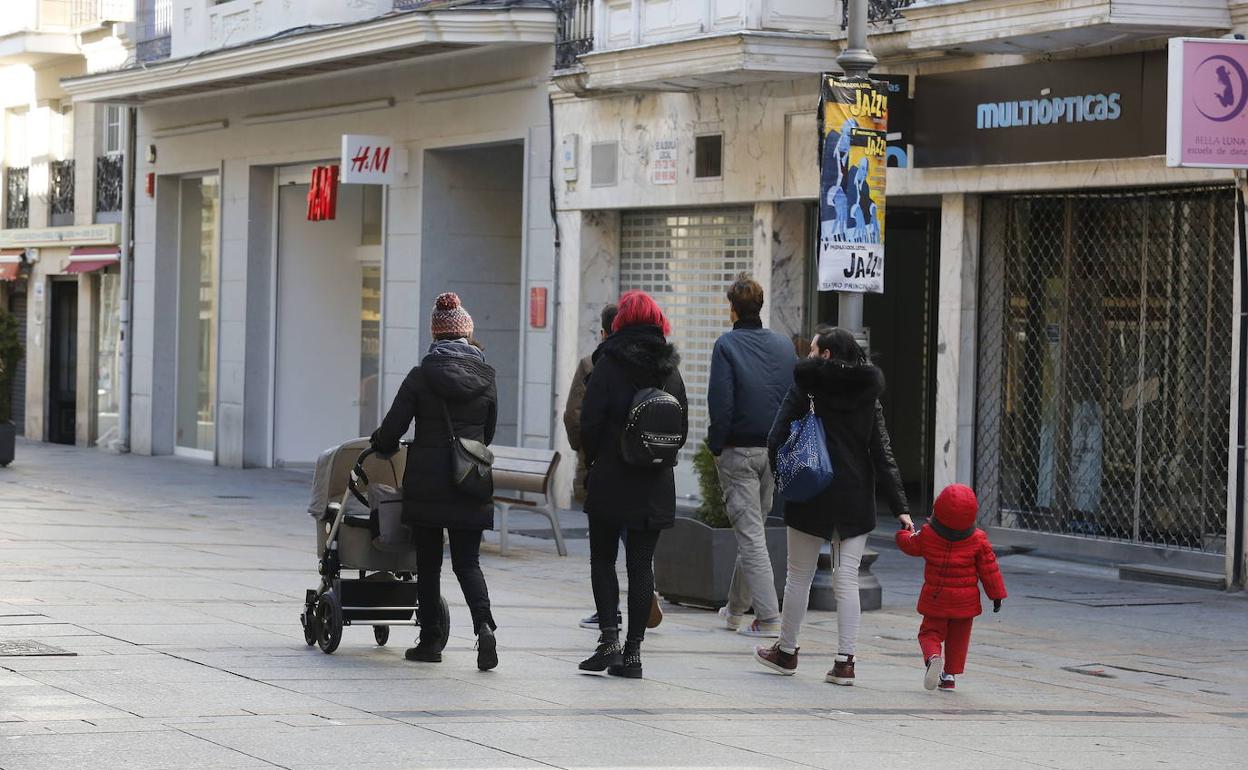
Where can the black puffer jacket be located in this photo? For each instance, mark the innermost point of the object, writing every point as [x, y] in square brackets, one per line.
[847, 401]
[456, 374]
[623, 494]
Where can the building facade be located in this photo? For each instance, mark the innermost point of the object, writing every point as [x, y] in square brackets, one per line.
[61, 198]
[1059, 325]
[262, 337]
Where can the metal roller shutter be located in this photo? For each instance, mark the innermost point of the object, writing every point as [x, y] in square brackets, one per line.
[685, 259]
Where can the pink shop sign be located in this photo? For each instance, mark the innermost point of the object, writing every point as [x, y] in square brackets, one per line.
[1207, 115]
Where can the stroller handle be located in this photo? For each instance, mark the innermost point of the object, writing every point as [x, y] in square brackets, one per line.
[358, 472]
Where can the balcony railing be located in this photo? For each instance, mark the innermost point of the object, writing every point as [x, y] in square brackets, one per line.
[108, 182]
[155, 22]
[877, 11]
[61, 191]
[16, 197]
[575, 34]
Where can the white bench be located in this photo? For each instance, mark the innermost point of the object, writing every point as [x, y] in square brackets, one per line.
[518, 474]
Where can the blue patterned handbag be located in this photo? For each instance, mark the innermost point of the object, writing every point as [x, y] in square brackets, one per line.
[803, 467]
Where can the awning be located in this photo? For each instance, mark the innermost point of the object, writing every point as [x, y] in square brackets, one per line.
[10, 263]
[88, 259]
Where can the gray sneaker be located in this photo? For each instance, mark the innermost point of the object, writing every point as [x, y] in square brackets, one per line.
[731, 622]
[761, 630]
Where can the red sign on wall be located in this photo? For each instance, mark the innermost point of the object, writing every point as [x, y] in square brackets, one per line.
[323, 194]
[537, 308]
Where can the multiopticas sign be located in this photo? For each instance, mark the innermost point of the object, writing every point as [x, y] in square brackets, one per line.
[1046, 112]
[1073, 109]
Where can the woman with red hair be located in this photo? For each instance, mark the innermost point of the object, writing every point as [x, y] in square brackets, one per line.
[622, 497]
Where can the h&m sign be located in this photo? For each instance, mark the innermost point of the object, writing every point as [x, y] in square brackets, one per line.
[371, 159]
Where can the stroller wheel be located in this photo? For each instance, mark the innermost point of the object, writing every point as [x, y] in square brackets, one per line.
[328, 622]
[381, 634]
[308, 621]
[445, 613]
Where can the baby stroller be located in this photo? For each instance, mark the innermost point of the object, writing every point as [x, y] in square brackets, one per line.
[349, 536]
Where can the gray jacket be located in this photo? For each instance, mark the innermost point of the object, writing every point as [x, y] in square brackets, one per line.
[751, 371]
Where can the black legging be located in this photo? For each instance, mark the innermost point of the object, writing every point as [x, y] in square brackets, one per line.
[604, 546]
[466, 563]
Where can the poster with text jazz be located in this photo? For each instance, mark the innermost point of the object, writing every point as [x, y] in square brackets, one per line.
[853, 153]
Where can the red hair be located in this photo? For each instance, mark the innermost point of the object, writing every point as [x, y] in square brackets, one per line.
[638, 309]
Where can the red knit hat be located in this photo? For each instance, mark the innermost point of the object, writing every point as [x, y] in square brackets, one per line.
[449, 317]
[638, 309]
[956, 507]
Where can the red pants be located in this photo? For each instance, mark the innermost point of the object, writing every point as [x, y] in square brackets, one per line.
[955, 633]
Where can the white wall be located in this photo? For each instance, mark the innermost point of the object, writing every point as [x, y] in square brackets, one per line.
[200, 25]
[625, 23]
[418, 123]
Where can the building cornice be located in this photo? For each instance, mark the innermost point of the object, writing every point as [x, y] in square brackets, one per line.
[374, 42]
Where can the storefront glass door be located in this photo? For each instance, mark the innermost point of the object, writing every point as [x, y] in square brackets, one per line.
[197, 316]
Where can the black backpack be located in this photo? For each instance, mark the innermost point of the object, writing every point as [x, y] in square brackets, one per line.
[654, 431]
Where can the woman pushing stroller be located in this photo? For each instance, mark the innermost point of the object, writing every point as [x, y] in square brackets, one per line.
[450, 395]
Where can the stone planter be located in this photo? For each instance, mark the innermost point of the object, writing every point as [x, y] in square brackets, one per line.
[8, 442]
[870, 592]
[693, 563]
[693, 566]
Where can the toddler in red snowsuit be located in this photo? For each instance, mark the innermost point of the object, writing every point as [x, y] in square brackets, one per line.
[958, 557]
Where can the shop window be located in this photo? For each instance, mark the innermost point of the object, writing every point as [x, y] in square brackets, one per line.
[108, 359]
[1104, 335]
[708, 160]
[110, 131]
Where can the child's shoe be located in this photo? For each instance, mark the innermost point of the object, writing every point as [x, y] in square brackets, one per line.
[934, 670]
[842, 672]
[947, 682]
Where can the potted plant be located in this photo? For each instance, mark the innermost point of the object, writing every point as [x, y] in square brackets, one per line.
[10, 355]
[694, 561]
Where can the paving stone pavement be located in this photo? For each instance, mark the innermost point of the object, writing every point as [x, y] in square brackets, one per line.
[177, 588]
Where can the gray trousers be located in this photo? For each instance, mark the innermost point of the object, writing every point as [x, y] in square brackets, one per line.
[745, 477]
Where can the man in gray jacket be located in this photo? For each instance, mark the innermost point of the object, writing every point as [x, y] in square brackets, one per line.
[751, 372]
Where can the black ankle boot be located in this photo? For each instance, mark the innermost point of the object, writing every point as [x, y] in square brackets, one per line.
[607, 654]
[630, 666]
[487, 648]
[429, 648]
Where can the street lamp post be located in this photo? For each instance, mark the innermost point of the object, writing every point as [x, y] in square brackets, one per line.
[855, 60]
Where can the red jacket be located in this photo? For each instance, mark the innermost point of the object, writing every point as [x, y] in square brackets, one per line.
[955, 567]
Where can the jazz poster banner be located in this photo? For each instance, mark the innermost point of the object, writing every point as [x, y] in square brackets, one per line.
[1207, 95]
[853, 154]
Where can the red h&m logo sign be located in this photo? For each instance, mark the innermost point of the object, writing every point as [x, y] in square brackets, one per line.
[323, 194]
[369, 159]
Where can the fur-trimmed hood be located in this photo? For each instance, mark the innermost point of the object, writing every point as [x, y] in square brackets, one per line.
[839, 386]
[643, 350]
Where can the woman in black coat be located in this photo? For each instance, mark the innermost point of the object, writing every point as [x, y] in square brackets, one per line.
[454, 385]
[626, 500]
[844, 390]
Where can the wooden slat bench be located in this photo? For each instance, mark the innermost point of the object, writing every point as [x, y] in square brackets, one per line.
[520, 473]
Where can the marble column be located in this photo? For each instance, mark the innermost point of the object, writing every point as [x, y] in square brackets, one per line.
[789, 257]
[589, 278]
[957, 327]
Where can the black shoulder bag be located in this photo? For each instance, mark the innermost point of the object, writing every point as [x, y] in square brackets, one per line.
[472, 464]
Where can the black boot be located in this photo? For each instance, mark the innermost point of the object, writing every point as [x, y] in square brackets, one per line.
[607, 654]
[429, 648]
[630, 667]
[487, 648]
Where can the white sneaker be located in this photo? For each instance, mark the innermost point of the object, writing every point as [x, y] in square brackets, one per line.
[935, 665]
[760, 630]
[731, 622]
